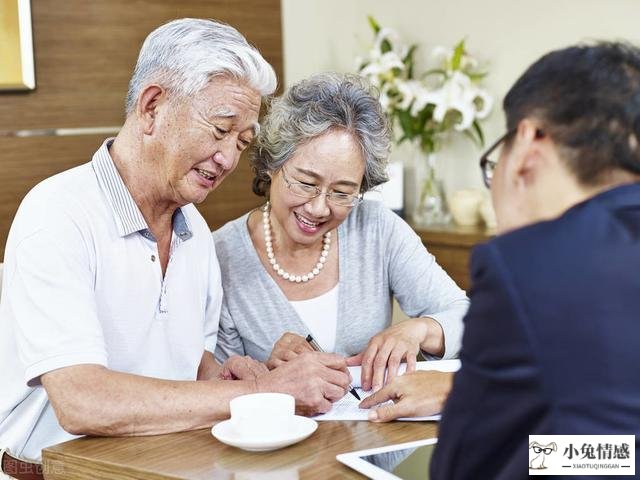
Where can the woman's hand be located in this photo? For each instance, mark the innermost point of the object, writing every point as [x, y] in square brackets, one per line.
[288, 347]
[241, 368]
[417, 394]
[388, 348]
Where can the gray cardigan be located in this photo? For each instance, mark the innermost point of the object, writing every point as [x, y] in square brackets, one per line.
[380, 257]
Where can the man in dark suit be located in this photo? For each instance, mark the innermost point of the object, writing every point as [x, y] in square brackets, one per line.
[551, 338]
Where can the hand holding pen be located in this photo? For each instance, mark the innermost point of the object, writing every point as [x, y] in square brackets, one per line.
[317, 348]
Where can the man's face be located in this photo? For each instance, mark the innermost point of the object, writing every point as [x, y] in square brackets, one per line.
[529, 179]
[512, 195]
[198, 140]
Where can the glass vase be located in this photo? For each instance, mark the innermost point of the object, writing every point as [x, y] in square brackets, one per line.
[431, 205]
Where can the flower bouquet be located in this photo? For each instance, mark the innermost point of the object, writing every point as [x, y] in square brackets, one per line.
[426, 108]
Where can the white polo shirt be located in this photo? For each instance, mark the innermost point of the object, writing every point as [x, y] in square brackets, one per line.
[83, 285]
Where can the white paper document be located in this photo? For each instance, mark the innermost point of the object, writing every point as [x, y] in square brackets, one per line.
[347, 407]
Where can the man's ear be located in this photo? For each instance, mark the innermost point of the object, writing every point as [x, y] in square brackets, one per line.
[147, 106]
[529, 151]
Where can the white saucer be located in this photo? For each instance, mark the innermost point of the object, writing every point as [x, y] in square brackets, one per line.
[301, 428]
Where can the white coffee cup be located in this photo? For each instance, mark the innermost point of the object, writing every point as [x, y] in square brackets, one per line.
[262, 415]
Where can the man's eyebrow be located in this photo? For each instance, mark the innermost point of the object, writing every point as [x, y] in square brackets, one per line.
[224, 112]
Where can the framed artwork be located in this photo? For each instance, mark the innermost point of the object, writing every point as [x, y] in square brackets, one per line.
[16, 46]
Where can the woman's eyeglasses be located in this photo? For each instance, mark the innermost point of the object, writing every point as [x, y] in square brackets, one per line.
[308, 191]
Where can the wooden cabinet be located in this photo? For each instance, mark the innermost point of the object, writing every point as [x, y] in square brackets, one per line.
[451, 245]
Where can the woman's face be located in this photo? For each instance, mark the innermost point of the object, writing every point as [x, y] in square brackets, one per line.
[333, 162]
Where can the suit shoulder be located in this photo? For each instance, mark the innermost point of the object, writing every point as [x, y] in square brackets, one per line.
[574, 230]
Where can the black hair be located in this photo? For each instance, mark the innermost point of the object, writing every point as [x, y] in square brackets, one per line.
[587, 99]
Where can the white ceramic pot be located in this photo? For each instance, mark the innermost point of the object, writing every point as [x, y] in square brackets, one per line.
[464, 206]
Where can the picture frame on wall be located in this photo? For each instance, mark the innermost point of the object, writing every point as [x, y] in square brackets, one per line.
[16, 46]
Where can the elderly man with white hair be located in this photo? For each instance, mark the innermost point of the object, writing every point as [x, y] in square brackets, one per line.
[112, 289]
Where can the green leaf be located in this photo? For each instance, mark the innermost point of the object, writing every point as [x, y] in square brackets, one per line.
[374, 25]
[406, 123]
[385, 46]
[458, 52]
[478, 130]
[471, 136]
[408, 60]
[477, 76]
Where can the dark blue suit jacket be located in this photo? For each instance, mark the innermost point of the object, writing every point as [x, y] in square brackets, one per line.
[551, 342]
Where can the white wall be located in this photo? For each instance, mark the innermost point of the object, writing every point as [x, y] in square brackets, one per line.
[321, 35]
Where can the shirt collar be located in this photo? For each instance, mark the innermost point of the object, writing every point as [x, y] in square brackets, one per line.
[128, 216]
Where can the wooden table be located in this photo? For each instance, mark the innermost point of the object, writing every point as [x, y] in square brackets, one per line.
[198, 455]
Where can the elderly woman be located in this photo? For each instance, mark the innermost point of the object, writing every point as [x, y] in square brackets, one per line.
[317, 259]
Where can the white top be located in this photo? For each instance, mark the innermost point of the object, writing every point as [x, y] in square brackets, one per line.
[83, 285]
[320, 314]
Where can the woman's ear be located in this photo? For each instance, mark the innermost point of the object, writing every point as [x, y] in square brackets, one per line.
[147, 106]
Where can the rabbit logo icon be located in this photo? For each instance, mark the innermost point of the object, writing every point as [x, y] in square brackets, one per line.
[538, 453]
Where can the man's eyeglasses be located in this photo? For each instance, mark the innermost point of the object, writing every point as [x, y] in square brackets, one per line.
[489, 160]
[308, 191]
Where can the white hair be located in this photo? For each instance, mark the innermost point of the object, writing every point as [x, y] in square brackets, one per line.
[183, 55]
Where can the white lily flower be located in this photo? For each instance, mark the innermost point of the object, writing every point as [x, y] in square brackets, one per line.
[408, 91]
[468, 63]
[457, 94]
[486, 102]
[453, 94]
[441, 54]
[383, 65]
[385, 100]
[388, 34]
[403, 51]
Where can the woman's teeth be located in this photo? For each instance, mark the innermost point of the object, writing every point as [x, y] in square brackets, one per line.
[306, 222]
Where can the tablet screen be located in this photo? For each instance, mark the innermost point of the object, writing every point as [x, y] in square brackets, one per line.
[407, 464]
[404, 461]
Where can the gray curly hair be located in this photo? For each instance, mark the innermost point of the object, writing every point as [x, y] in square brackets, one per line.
[311, 108]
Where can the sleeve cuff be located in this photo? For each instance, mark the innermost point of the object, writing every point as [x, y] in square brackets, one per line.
[452, 328]
[34, 371]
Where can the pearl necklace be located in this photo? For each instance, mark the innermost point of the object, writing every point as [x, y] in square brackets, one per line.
[272, 258]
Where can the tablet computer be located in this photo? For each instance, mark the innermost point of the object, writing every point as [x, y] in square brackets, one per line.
[404, 461]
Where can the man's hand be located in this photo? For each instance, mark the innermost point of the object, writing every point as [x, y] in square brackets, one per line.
[315, 379]
[241, 368]
[416, 394]
[288, 346]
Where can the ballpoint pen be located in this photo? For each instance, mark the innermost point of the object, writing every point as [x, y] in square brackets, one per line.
[318, 348]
